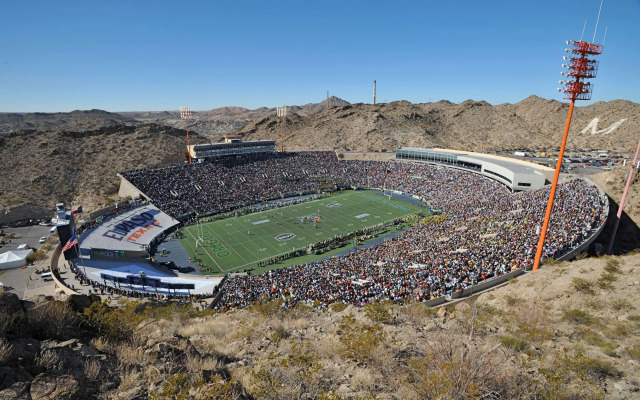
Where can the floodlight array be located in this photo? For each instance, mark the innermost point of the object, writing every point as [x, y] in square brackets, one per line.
[579, 66]
[185, 112]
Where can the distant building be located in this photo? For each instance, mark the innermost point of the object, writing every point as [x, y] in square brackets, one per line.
[232, 145]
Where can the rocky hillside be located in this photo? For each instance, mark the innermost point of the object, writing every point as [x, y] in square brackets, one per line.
[221, 121]
[43, 168]
[75, 120]
[533, 122]
[567, 331]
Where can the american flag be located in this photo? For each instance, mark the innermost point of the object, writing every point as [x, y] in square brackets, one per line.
[72, 242]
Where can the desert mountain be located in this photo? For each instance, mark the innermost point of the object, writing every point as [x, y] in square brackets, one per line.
[79, 164]
[533, 122]
[43, 168]
[75, 120]
[221, 121]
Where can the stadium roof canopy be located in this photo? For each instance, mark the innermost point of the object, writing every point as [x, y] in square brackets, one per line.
[132, 230]
[515, 174]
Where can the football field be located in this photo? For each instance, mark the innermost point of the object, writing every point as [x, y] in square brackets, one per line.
[237, 243]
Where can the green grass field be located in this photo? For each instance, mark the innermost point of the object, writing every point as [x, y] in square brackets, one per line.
[238, 243]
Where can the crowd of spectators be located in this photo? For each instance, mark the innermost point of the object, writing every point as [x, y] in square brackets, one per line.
[486, 231]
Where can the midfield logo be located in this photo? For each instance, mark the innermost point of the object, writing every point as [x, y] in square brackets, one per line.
[285, 236]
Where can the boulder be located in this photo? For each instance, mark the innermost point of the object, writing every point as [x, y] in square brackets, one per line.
[10, 376]
[79, 302]
[56, 387]
[10, 303]
[17, 391]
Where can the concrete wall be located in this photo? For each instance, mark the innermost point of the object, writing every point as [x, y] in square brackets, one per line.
[128, 189]
[55, 271]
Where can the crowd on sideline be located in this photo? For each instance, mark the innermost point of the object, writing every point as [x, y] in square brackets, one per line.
[485, 231]
[111, 291]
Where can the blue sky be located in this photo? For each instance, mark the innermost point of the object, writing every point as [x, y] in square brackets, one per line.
[158, 55]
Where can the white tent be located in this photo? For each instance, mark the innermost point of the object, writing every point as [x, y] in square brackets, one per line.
[14, 259]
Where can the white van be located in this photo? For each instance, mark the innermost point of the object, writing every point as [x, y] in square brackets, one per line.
[23, 247]
[47, 276]
[42, 239]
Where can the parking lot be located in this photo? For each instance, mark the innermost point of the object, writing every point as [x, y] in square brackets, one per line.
[26, 281]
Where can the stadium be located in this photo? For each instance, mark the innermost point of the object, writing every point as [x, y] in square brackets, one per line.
[244, 223]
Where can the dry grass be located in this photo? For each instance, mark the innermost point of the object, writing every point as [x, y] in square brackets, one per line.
[130, 378]
[195, 365]
[129, 354]
[50, 361]
[91, 368]
[363, 379]
[6, 350]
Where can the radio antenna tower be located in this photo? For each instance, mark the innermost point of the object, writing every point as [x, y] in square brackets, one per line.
[185, 113]
[578, 68]
[282, 113]
[374, 92]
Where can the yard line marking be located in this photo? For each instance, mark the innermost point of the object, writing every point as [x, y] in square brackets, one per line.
[205, 250]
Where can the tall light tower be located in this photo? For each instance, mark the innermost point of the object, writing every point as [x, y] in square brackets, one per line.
[579, 68]
[185, 113]
[282, 113]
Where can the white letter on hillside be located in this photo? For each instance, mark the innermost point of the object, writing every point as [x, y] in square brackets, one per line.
[593, 125]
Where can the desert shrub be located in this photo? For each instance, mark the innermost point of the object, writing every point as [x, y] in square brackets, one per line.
[594, 339]
[478, 317]
[332, 395]
[91, 369]
[613, 266]
[359, 340]
[512, 300]
[574, 375]
[182, 387]
[12, 323]
[633, 351]
[279, 333]
[594, 304]
[115, 324]
[338, 306]
[515, 343]
[288, 377]
[36, 256]
[50, 361]
[54, 319]
[453, 368]
[418, 312]
[581, 256]
[606, 281]
[621, 304]
[120, 323]
[379, 312]
[583, 285]
[578, 316]
[269, 309]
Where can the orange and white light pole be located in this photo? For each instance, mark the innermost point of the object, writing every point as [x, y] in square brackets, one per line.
[632, 170]
[579, 67]
[185, 113]
[282, 113]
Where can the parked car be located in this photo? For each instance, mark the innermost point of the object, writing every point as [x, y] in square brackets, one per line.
[42, 239]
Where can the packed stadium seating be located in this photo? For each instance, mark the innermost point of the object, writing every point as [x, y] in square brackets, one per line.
[487, 232]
